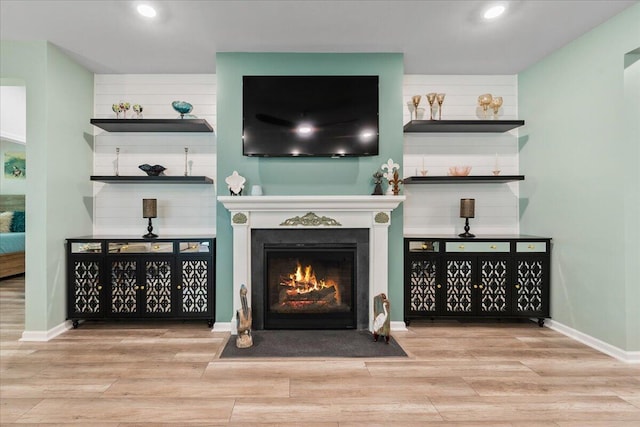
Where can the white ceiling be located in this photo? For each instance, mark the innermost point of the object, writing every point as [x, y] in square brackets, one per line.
[436, 37]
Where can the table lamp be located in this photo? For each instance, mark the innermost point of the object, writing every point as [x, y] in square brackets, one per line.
[467, 210]
[149, 210]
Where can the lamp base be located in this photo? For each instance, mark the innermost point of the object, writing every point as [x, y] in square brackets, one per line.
[150, 235]
[466, 230]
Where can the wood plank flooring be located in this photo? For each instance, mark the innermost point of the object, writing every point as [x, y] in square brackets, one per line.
[153, 374]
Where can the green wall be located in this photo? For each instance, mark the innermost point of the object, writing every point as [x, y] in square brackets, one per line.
[579, 151]
[59, 153]
[317, 176]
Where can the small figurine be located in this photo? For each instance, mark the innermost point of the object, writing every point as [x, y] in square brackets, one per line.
[235, 183]
[391, 176]
[382, 317]
[395, 183]
[243, 321]
[377, 180]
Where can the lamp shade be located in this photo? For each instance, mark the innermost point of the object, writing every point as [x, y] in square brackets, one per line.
[149, 208]
[467, 208]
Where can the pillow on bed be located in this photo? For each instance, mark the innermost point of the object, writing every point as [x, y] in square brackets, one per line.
[5, 221]
[17, 223]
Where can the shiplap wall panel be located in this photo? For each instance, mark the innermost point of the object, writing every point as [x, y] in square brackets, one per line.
[434, 208]
[429, 209]
[182, 208]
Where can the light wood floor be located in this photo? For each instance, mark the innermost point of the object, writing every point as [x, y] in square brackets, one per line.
[169, 373]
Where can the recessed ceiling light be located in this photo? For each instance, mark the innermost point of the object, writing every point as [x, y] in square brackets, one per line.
[494, 12]
[146, 11]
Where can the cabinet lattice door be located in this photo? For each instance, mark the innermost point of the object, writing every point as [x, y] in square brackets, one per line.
[530, 287]
[86, 287]
[124, 287]
[194, 286]
[493, 286]
[423, 285]
[459, 286]
[158, 286]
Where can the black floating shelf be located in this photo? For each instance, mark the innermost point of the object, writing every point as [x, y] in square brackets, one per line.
[462, 125]
[154, 179]
[153, 125]
[462, 179]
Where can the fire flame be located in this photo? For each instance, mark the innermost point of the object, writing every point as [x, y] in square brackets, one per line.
[304, 281]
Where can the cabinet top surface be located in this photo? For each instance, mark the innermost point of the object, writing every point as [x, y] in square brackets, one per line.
[483, 238]
[141, 239]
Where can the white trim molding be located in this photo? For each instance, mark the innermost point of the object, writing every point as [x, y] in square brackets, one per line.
[595, 343]
[47, 335]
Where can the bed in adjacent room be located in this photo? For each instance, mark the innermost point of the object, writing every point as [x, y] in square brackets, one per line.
[12, 235]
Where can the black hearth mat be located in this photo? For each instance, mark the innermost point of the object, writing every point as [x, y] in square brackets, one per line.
[314, 343]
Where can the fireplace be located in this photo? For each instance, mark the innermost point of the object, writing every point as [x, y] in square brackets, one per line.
[314, 216]
[311, 279]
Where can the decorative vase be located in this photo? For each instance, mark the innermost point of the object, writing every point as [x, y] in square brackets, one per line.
[182, 107]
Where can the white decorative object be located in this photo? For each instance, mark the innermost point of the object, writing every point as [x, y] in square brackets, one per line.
[235, 183]
[391, 167]
[256, 190]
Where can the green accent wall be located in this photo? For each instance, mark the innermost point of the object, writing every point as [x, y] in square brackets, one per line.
[298, 176]
[59, 152]
[580, 154]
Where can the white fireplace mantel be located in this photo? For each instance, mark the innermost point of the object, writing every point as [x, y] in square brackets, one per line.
[303, 212]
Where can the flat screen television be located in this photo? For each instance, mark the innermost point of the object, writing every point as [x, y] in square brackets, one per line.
[325, 116]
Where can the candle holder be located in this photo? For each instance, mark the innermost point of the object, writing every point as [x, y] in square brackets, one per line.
[467, 210]
[186, 153]
[150, 210]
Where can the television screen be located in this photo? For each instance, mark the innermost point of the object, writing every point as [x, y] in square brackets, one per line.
[330, 116]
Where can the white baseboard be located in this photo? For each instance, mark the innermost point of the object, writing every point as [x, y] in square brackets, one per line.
[47, 335]
[595, 343]
[398, 326]
[221, 327]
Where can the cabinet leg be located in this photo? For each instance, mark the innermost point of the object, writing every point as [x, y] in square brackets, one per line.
[210, 323]
[541, 322]
[75, 324]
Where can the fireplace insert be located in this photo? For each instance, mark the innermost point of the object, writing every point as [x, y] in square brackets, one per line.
[310, 286]
[310, 279]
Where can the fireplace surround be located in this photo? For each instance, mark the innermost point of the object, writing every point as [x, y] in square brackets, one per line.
[321, 213]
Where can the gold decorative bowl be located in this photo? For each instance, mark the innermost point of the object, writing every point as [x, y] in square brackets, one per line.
[459, 170]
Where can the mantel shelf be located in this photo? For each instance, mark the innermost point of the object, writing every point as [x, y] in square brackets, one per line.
[466, 126]
[462, 179]
[153, 179]
[153, 125]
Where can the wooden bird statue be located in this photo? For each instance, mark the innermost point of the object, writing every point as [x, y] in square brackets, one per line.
[243, 319]
[382, 317]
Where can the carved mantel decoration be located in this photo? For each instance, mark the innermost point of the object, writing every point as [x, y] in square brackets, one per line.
[381, 218]
[239, 218]
[311, 220]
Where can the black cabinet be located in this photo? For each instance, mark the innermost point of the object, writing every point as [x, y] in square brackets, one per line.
[120, 278]
[477, 278]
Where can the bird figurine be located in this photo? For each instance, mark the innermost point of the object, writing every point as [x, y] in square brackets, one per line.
[381, 320]
[243, 321]
[155, 170]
